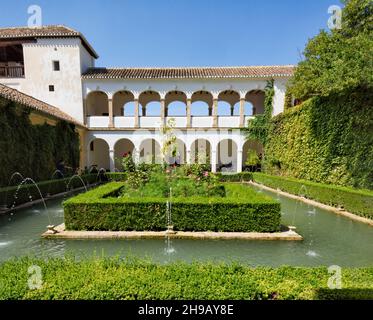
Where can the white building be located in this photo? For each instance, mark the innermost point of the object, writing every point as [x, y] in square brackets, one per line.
[124, 108]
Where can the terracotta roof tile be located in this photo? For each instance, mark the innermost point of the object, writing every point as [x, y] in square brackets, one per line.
[189, 73]
[57, 31]
[28, 101]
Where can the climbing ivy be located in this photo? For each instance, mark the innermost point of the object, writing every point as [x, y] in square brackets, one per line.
[33, 150]
[258, 127]
[325, 139]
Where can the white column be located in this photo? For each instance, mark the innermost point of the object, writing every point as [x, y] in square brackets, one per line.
[111, 114]
[188, 112]
[189, 156]
[112, 160]
[163, 111]
[136, 102]
[239, 161]
[242, 113]
[215, 113]
[136, 155]
[213, 160]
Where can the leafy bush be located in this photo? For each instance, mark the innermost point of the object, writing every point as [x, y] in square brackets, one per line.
[129, 279]
[359, 202]
[242, 210]
[27, 190]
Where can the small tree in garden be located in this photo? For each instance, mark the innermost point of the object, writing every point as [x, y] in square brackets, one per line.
[169, 146]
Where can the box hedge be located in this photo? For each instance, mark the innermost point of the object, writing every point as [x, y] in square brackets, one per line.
[235, 177]
[242, 210]
[130, 279]
[356, 201]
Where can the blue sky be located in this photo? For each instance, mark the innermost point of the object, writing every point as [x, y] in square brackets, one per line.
[185, 32]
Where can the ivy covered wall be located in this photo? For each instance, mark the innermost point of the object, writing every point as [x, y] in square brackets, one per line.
[326, 139]
[33, 150]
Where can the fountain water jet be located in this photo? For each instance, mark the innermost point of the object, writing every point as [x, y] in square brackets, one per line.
[25, 181]
[75, 176]
[4, 205]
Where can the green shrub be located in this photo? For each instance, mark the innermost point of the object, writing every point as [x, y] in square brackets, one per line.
[359, 202]
[236, 177]
[242, 210]
[27, 190]
[129, 279]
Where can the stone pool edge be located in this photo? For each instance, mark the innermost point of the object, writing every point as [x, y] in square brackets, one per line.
[61, 233]
[341, 212]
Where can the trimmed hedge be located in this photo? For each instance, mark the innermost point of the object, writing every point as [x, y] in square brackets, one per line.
[242, 210]
[236, 177]
[130, 279]
[7, 195]
[359, 202]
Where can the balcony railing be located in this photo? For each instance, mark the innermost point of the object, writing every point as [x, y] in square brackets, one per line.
[7, 71]
[155, 121]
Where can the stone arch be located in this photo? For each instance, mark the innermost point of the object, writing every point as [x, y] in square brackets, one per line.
[150, 103]
[123, 103]
[251, 145]
[201, 103]
[200, 151]
[180, 156]
[256, 98]
[97, 104]
[121, 147]
[150, 151]
[176, 103]
[226, 102]
[226, 153]
[98, 154]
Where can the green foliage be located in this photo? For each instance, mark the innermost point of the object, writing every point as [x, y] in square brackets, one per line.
[33, 150]
[130, 279]
[327, 140]
[359, 202]
[242, 210]
[288, 100]
[252, 158]
[341, 59]
[258, 127]
[128, 164]
[236, 177]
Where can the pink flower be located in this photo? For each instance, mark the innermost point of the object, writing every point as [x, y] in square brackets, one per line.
[205, 174]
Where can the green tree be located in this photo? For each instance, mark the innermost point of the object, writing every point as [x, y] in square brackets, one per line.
[341, 59]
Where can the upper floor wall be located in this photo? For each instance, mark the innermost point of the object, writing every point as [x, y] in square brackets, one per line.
[51, 72]
[114, 103]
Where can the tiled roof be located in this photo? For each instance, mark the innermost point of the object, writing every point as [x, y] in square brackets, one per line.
[40, 106]
[189, 73]
[57, 31]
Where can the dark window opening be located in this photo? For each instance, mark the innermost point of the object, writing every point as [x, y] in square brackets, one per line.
[56, 66]
[51, 88]
[11, 61]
